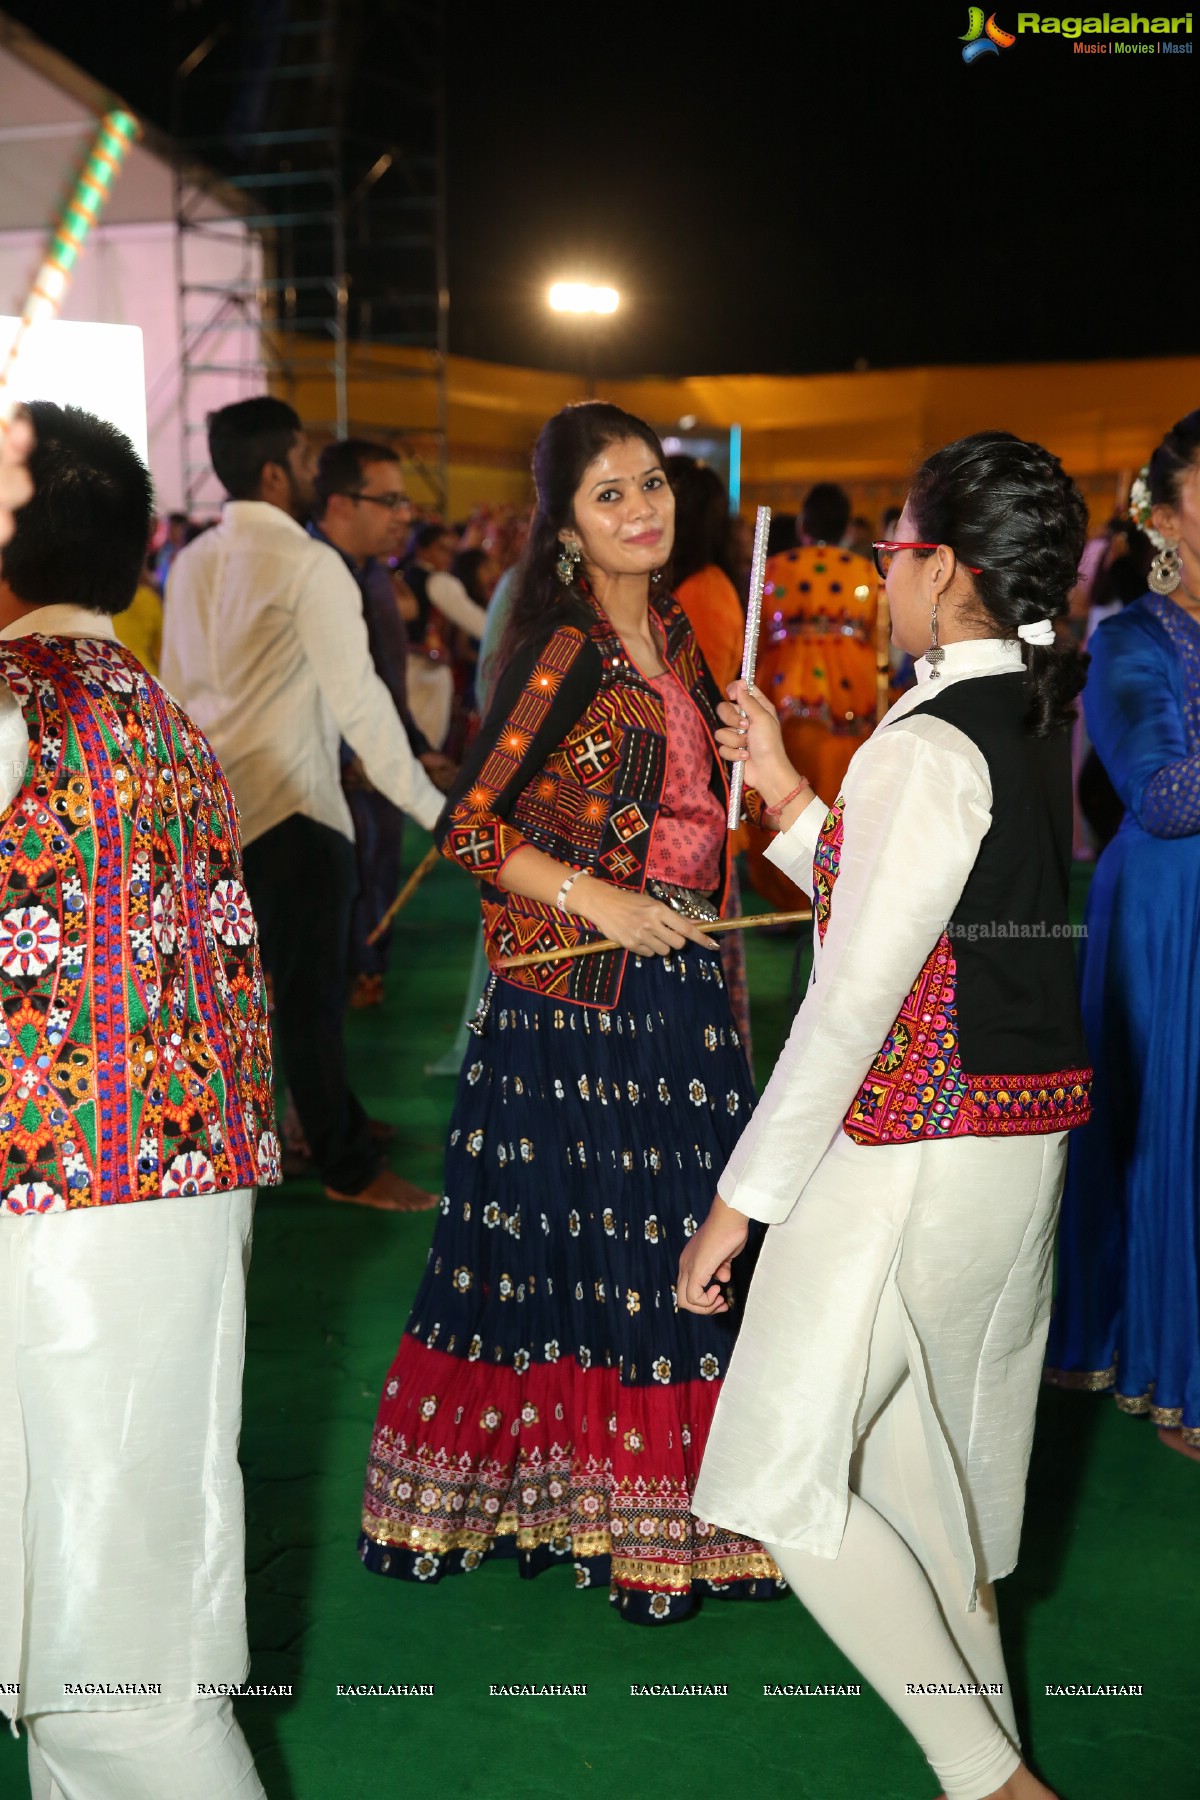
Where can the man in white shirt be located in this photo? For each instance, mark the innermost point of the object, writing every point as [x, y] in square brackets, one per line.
[265, 644]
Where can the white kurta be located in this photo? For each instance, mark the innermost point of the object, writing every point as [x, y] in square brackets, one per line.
[964, 1226]
[122, 1332]
[122, 1543]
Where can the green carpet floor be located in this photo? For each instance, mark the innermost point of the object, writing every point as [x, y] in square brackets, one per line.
[1108, 1590]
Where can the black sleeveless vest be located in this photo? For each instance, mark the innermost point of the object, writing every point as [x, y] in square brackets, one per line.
[990, 1040]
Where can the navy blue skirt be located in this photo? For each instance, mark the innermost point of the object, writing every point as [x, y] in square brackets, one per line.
[547, 1399]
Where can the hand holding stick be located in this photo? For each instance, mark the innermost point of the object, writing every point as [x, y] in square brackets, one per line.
[748, 923]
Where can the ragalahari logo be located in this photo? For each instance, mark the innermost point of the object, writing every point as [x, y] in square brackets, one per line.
[983, 38]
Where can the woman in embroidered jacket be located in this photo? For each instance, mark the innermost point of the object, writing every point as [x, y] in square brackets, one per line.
[908, 1152]
[1127, 1315]
[547, 1399]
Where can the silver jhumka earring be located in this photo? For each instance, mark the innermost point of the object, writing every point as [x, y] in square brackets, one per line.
[569, 558]
[935, 654]
[1166, 571]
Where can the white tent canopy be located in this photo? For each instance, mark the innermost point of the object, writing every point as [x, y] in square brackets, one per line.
[129, 273]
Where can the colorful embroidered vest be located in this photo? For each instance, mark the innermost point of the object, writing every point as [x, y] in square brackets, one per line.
[134, 1052]
[592, 804]
[988, 1041]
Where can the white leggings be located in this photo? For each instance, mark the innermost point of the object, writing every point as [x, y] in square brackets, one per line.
[893, 1600]
[179, 1750]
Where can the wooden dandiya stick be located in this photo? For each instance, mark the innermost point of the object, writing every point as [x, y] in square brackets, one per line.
[429, 861]
[758, 575]
[118, 131]
[749, 923]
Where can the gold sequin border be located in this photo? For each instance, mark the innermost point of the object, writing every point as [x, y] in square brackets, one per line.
[629, 1570]
[1135, 1406]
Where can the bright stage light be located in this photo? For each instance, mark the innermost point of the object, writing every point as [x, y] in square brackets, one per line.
[99, 367]
[581, 297]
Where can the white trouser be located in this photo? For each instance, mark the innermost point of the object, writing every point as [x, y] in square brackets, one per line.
[893, 1599]
[122, 1536]
[183, 1750]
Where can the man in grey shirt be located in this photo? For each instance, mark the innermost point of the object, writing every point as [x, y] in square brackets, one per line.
[265, 645]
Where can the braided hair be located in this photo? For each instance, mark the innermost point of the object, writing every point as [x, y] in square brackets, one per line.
[1008, 508]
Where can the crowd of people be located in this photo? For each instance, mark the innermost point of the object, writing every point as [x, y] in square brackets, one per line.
[685, 1339]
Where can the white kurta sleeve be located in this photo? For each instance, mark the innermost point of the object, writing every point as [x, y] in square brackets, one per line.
[792, 850]
[452, 600]
[915, 816]
[329, 621]
[14, 747]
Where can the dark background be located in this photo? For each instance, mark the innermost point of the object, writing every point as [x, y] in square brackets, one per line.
[773, 187]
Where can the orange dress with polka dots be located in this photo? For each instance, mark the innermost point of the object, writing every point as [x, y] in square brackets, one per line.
[816, 663]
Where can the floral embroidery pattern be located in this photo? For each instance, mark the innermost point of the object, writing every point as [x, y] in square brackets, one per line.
[29, 940]
[33, 1196]
[190, 1174]
[130, 991]
[916, 1087]
[229, 909]
[826, 859]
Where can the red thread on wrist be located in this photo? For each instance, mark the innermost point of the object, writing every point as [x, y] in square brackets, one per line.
[786, 801]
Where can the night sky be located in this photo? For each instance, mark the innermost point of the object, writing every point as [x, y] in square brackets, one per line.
[781, 187]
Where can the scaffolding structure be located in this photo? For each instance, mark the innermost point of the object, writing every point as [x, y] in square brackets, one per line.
[326, 120]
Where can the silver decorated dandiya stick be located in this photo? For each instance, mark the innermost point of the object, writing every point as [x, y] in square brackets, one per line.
[758, 575]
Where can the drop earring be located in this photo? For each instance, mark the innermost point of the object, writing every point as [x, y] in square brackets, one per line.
[1166, 571]
[569, 558]
[935, 654]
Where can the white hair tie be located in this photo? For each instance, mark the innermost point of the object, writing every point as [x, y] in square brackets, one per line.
[1039, 632]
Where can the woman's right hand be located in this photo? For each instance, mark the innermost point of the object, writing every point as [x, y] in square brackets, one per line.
[639, 923]
[752, 736]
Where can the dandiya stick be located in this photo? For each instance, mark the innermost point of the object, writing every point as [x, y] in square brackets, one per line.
[758, 573]
[118, 131]
[429, 861]
[749, 923]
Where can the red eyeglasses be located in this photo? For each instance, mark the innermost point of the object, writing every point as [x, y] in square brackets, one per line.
[884, 553]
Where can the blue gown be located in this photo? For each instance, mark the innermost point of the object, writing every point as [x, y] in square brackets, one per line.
[1127, 1315]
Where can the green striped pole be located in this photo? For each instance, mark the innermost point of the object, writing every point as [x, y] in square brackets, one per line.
[118, 131]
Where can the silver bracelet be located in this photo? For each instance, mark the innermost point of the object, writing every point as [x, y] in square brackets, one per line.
[568, 884]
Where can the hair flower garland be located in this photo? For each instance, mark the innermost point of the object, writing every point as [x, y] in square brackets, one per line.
[1141, 506]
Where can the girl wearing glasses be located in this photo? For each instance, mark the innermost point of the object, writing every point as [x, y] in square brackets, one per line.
[908, 1152]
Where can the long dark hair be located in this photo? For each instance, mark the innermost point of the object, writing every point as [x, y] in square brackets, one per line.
[466, 567]
[1008, 508]
[1174, 457]
[703, 528]
[567, 444]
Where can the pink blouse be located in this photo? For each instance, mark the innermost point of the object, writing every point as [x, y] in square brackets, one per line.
[688, 833]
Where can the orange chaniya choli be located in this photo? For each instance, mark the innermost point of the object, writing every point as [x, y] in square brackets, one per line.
[718, 619]
[816, 663]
